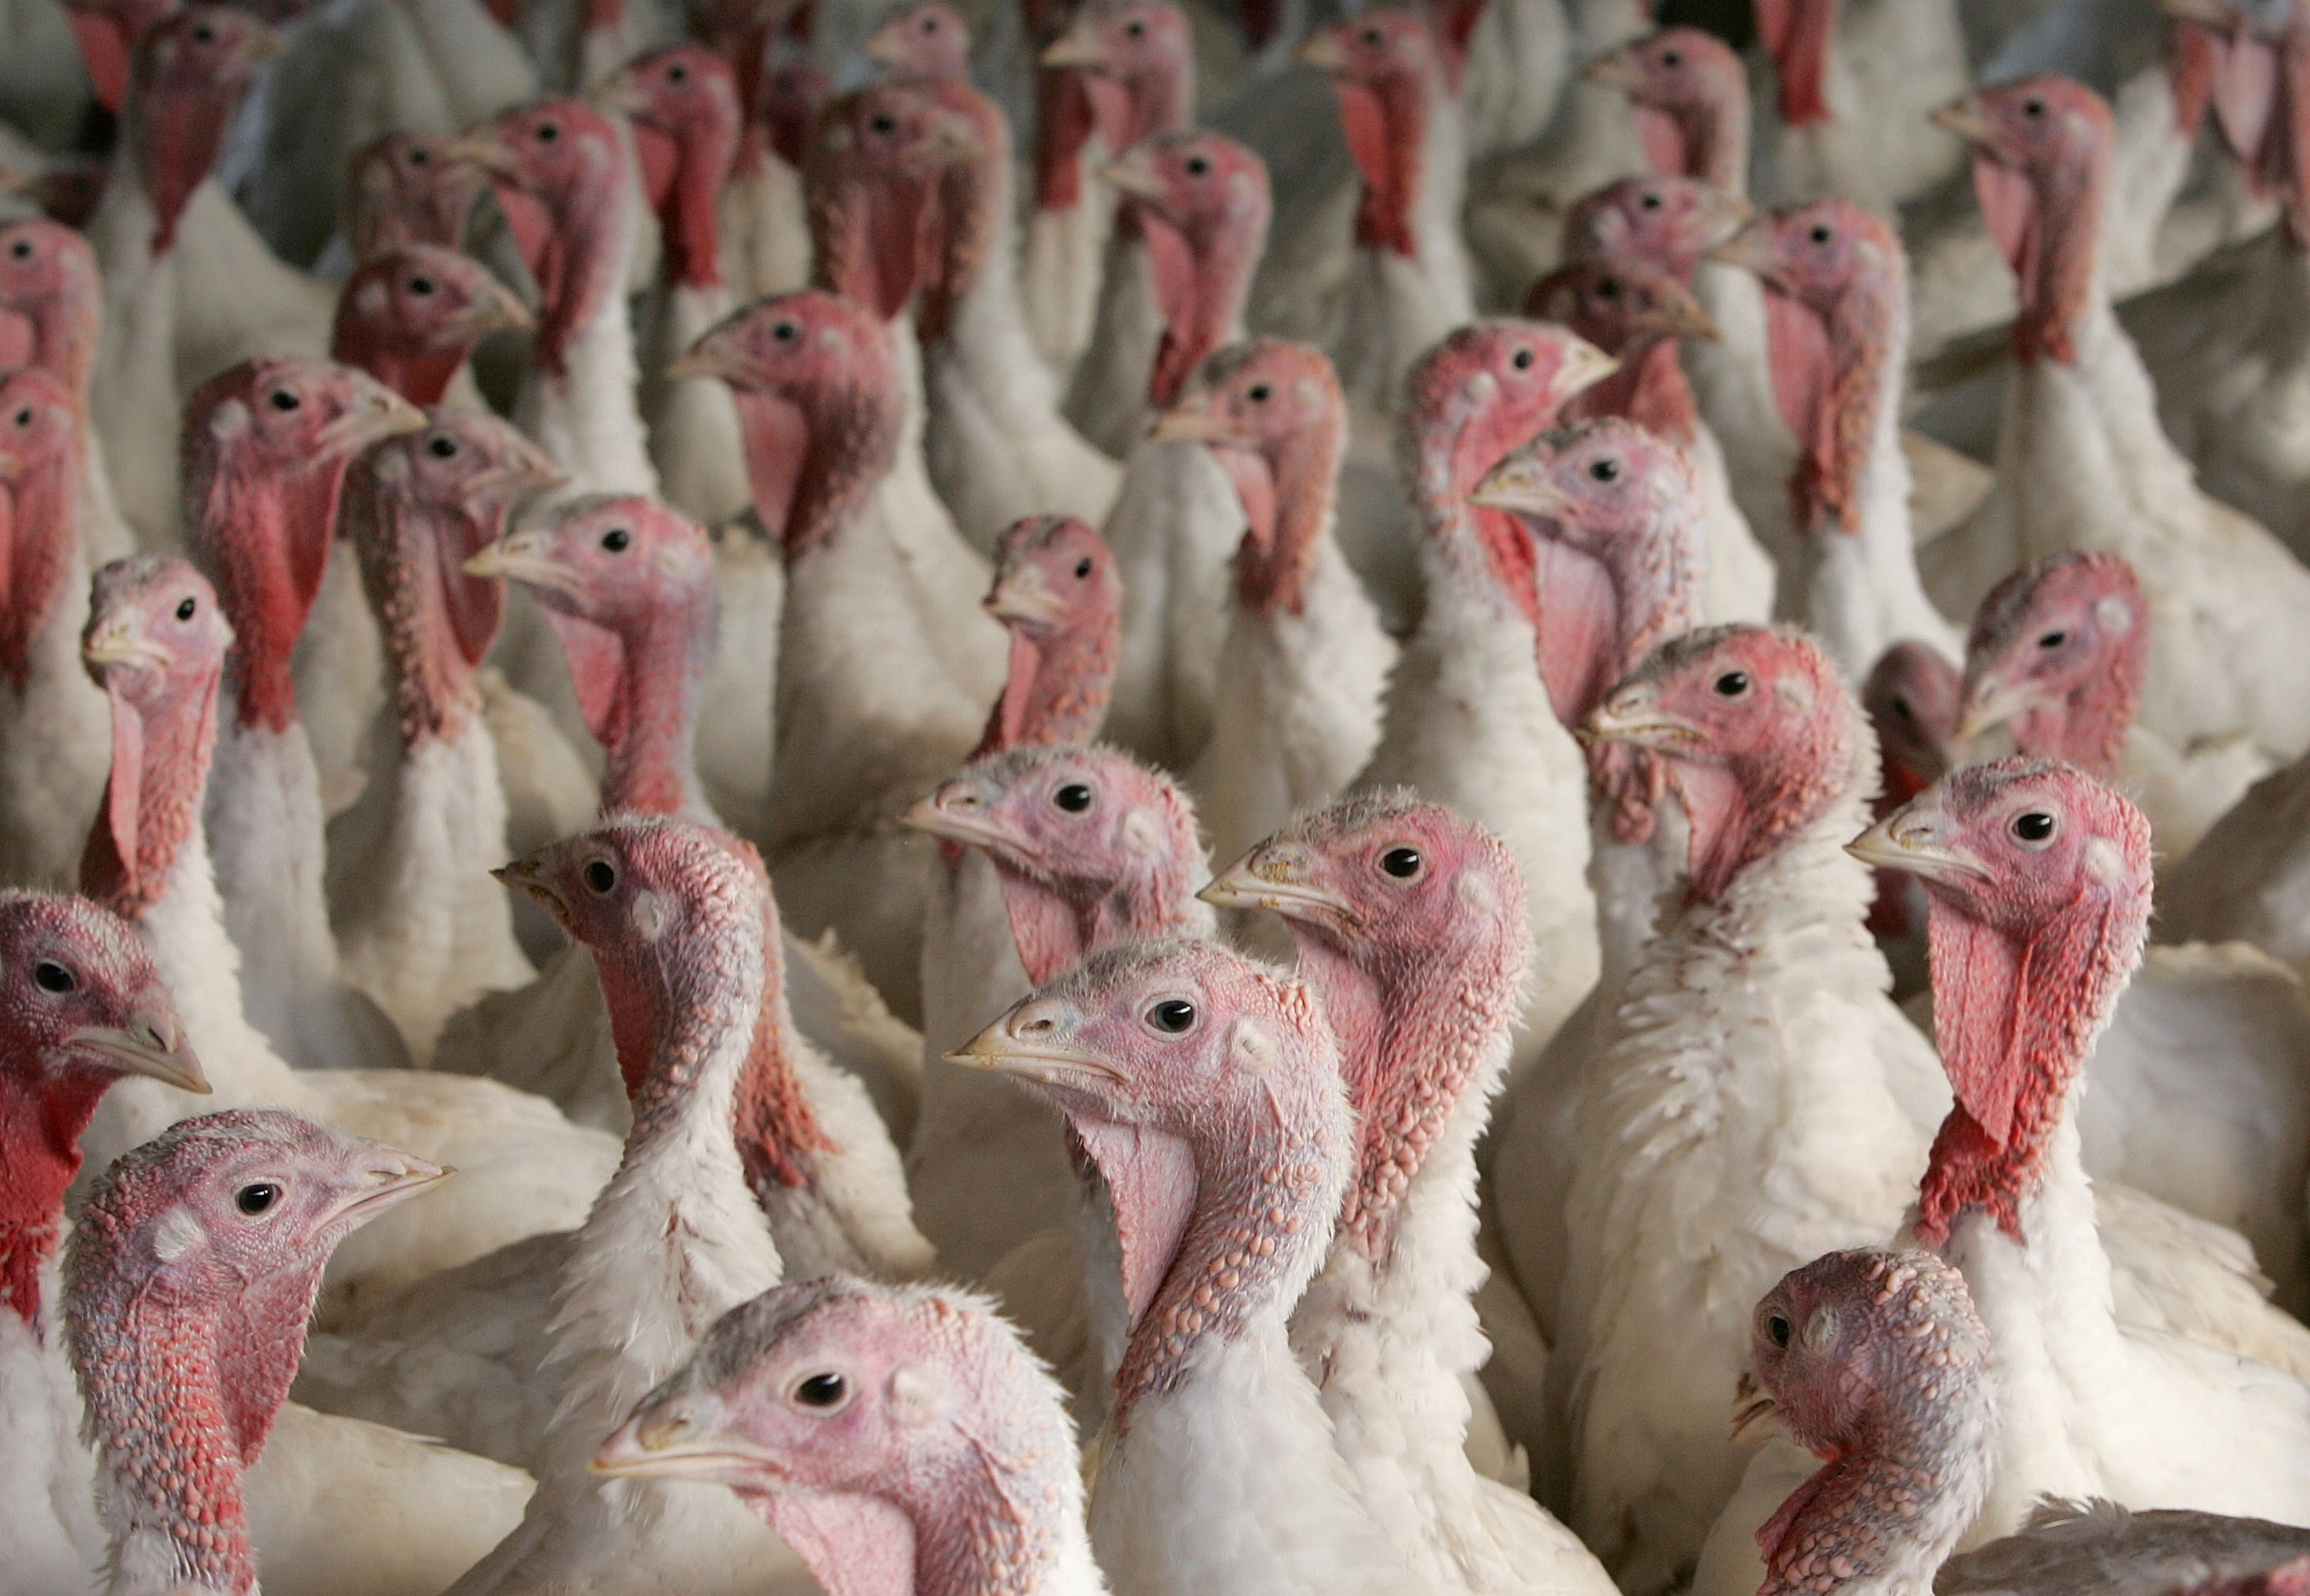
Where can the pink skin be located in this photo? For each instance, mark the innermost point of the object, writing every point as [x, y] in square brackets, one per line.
[1484, 390]
[1057, 594]
[2038, 877]
[49, 284]
[39, 510]
[190, 1277]
[873, 178]
[628, 586]
[1201, 202]
[410, 316]
[778, 88]
[899, 1437]
[1207, 1090]
[2060, 649]
[1799, 35]
[191, 68]
[417, 509]
[1912, 699]
[155, 643]
[1835, 284]
[1093, 849]
[81, 1006]
[928, 40]
[1690, 92]
[1409, 925]
[1271, 414]
[1619, 540]
[1634, 312]
[559, 170]
[1756, 731]
[1668, 222]
[407, 188]
[1874, 1361]
[266, 446]
[2041, 155]
[687, 120]
[818, 403]
[1124, 69]
[659, 901]
[108, 33]
[1388, 69]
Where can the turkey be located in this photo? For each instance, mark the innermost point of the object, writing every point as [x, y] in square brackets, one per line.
[155, 643]
[407, 188]
[410, 315]
[49, 276]
[1854, 80]
[1411, 933]
[1208, 1091]
[189, 1275]
[1304, 660]
[967, 1455]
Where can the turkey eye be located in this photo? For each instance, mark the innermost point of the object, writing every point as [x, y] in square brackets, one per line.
[283, 400]
[1074, 797]
[24, 416]
[2035, 827]
[1820, 233]
[1172, 1016]
[1778, 1329]
[2052, 639]
[203, 34]
[677, 73]
[1136, 30]
[2033, 106]
[419, 157]
[1260, 393]
[820, 1391]
[883, 124]
[602, 876]
[1672, 58]
[1650, 202]
[186, 609]
[1197, 166]
[1607, 469]
[1082, 568]
[21, 249]
[616, 539]
[1610, 289]
[442, 448]
[256, 1197]
[52, 976]
[1371, 37]
[1403, 864]
[1520, 360]
[930, 24]
[1732, 684]
[547, 132]
[786, 332]
[1901, 707]
[422, 287]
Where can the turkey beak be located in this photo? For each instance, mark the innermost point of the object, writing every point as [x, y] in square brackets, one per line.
[706, 358]
[1583, 367]
[620, 93]
[953, 141]
[679, 1437]
[1132, 175]
[1966, 118]
[1021, 594]
[1752, 248]
[380, 414]
[528, 875]
[1025, 1043]
[1276, 876]
[153, 1044]
[523, 557]
[1753, 1407]
[388, 1178]
[1521, 483]
[121, 641]
[1324, 52]
[959, 812]
[15, 179]
[1078, 47]
[1992, 703]
[486, 151]
[498, 309]
[1618, 70]
[1681, 316]
[1196, 419]
[1634, 715]
[1910, 839]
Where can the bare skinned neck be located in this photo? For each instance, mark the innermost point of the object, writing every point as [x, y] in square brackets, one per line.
[162, 741]
[265, 545]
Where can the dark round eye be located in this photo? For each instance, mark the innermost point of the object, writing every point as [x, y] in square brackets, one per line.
[1820, 233]
[930, 24]
[787, 332]
[677, 73]
[52, 976]
[2035, 826]
[1732, 684]
[1074, 797]
[1520, 360]
[1260, 393]
[601, 876]
[256, 1197]
[1609, 289]
[2033, 106]
[616, 539]
[283, 399]
[442, 447]
[884, 123]
[1901, 707]
[21, 249]
[1172, 1016]
[1372, 37]
[1649, 202]
[24, 416]
[1779, 1330]
[820, 1391]
[2054, 639]
[185, 608]
[203, 34]
[1672, 57]
[1136, 30]
[1197, 166]
[1082, 569]
[1403, 864]
[422, 287]
[547, 132]
[419, 157]
[1607, 469]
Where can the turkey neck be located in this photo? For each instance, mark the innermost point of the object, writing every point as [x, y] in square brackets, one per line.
[640, 690]
[1712, 138]
[174, 134]
[1201, 279]
[695, 162]
[1801, 33]
[420, 373]
[1650, 389]
[2088, 727]
[1057, 686]
[264, 543]
[1287, 493]
[1058, 920]
[578, 260]
[2050, 225]
[814, 460]
[164, 737]
[40, 1127]
[438, 622]
[39, 542]
[1747, 810]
